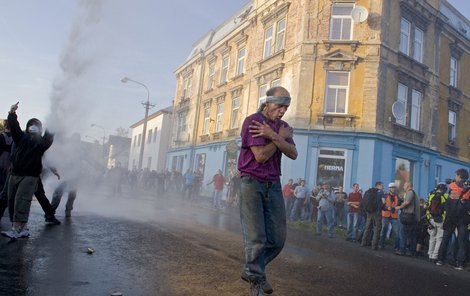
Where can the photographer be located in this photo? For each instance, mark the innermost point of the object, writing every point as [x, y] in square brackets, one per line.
[326, 200]
[456, 208]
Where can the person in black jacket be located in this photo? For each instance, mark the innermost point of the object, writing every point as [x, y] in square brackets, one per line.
[26, 167]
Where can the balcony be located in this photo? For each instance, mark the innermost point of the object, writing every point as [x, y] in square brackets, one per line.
[232, 132]
[337, 120]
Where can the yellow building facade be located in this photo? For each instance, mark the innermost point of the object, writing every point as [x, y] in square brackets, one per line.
[377, 85]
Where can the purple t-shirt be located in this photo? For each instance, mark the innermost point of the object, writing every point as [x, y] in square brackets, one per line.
[247, 164]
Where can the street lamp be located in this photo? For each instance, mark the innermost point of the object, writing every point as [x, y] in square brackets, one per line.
[104, 137]
[147, 106]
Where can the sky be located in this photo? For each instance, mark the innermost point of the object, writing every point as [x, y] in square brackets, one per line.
[63, 60]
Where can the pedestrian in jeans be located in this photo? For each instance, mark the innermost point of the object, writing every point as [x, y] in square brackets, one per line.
[265, 138]
[219, 182]
[300, 194]
[326, 209]
[410, 206]
[354, 211]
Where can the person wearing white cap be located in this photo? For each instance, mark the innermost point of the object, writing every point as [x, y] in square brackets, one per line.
[390, 217]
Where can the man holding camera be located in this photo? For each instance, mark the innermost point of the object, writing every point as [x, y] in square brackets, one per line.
[457, 217]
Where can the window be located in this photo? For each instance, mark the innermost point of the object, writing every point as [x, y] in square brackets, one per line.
[264, 88]
[415, 109]
[402, 96]
[337, 90]
[210, 80]
[453, 71]
[241, 61]
[149, 162]
[207, 118]
[280, 35]
[218, 119]
[149, 136]
[331, 166]
[155, 134]
[268, 40]
[341, 22]
[224, 72]
[452, 126]
[418, 45]
[405, 32]
[187, 85]
[139, 140]
[234, 117]
[274, 37]
[135, 141]
[262, 94]
[276, 82]
[410, 32]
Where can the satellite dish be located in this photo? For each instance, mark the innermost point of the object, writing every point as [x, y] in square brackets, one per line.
[398, 110]
[359, 14]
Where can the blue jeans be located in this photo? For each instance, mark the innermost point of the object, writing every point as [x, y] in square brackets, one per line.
[383, 234]
[217, 198]
[330, 220]
[408, 232]
[351, 233]
[296, 213]
[263, 221]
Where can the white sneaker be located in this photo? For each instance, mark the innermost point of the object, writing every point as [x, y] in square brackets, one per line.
[23, 233]
[12, 233]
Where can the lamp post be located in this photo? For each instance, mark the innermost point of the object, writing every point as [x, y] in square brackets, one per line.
[104, 138]
[147, 106]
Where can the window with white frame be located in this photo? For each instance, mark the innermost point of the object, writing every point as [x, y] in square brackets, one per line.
[412, 39]
[341, 22]
[418, 45]
[264, 88]
[234, 115]
[241, 61]
[280, 34]
[219, 117]
[452, 126]
[337, 89]
[210, 80]
[187, 85]
[268, 42]
[155, 134]
[402, 96]
[454, 64]
[415, 117]
[405, 34]
[135, 141]
[262, 94]
[139, 140]
[224, 72]
[274, 38]
[207, 120]
[276, 82]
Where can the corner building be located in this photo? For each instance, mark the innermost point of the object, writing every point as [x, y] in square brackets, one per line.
[379, 92]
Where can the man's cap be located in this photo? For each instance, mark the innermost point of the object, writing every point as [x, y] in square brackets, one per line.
[391, 185]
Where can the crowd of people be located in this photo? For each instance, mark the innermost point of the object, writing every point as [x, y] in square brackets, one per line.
[437, 226]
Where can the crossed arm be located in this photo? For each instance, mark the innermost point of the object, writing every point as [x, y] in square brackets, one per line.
[278, 141]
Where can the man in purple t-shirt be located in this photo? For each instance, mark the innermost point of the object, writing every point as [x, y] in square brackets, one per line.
[265, 137]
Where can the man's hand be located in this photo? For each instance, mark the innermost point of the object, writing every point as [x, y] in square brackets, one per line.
[258, 129]
[286, 132]
[14, 107]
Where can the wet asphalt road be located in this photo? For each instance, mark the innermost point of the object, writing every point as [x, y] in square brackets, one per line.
[160, 246]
